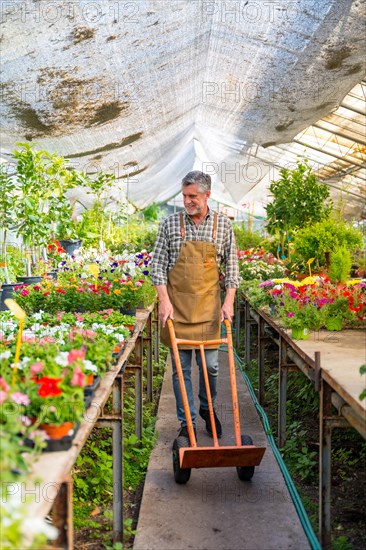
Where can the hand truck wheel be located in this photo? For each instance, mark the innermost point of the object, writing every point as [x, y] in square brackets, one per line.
[181, 475]
[245, 473]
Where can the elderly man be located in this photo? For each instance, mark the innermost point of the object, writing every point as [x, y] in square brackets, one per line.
[193, 248]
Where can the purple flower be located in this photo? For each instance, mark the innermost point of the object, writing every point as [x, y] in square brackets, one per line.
[266, 283]
[290, 313]
[146, 272]
[282, 303]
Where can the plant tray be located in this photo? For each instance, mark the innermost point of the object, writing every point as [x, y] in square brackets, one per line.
[89, 392]
[55, 445]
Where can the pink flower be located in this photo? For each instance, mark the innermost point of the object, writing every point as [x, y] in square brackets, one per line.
[47, 340]
[74, 355]
[3, 396]
[24, 292]
[26, 421]
[138, 283]
[4, 385]
[79, 317]
[37, 367]
[20, 398]
[290, 313]
[59, 316]
[78, 377]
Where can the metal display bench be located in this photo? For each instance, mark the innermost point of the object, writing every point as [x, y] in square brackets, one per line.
[50, 483]
[331, 361]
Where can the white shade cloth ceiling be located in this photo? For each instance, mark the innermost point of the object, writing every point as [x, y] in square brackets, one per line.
[150, 89]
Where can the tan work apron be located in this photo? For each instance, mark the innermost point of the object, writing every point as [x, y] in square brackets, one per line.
[193, 289]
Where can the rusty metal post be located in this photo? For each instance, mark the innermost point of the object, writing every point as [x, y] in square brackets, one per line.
[117, 443]
[237, 321]
[149, 360]
[63, 515]
[247, 324]
[325, 464]
[138, 386]
[282, 392]
[261, 357]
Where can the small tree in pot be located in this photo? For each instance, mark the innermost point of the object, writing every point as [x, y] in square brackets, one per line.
[41, 202]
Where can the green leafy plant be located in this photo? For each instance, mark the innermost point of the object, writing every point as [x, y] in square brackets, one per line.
[340, 265]
[324, 237]
[7, 215]
[298, 200]
[40, 203]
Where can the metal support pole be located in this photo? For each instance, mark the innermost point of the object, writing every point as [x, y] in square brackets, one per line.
[63, 515]
[325, 464]
[261, 357]
[282, 392]
[149, 361]
[237, 321]
[156, 333]
[118, 459]
[247, 323]
[138, 386]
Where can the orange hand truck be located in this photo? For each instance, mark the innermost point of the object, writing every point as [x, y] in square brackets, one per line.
[186, 455]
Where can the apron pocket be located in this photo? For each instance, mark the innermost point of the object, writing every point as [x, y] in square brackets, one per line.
[196, 308]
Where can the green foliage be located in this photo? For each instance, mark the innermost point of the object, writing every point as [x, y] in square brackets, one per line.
[342, 543]
[42, 181]
[151, 212]
[300, 460]
[363, 393]
[340, 265]
[326, 236]
[94, 479]
[247, 239]
[298, 200]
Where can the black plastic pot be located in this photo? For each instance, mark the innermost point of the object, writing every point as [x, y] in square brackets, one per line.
[70, 246]
[6, 292]
[29, 279]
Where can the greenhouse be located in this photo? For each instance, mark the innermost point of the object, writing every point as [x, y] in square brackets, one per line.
[183, 274]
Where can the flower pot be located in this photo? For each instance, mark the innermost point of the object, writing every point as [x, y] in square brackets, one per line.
[29, 279]
[300, 333]
[7, 292]
[70, 246]
[335, 323]
[57, 432]
[128, 311]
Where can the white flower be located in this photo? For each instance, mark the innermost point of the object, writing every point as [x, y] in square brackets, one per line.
[5, 354]
[61, 358]
[89, 366]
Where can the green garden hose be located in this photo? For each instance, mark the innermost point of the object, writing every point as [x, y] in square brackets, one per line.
[314, 543]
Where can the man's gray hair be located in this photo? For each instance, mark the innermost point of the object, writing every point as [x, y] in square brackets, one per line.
[200, 178]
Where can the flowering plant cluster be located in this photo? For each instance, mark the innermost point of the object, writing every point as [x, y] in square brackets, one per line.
[71, 268]
[85, 295]
[260, 265]
[314, 302]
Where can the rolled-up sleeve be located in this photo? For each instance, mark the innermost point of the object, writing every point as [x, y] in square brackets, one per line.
[160, 258]
[231, 266]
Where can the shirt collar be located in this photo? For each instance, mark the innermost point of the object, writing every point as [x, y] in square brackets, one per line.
[208, 215]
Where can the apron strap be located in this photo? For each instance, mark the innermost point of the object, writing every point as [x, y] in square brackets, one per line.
[214, 230]
[182, 229]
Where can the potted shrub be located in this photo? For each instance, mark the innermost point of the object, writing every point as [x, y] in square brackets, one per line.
[41, 202]
[319, 240]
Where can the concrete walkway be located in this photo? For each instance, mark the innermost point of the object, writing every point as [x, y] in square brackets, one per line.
[215, 510]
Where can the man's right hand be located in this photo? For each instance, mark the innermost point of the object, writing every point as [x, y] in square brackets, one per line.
[165, 306]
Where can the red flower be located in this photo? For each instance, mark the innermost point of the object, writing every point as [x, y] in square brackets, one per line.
[46, 293]
[49, 387]
[61, 290]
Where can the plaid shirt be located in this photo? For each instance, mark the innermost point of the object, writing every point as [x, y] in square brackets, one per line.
[169, 242]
